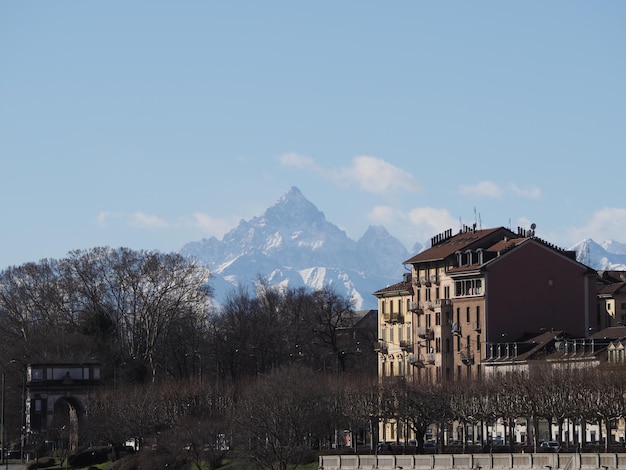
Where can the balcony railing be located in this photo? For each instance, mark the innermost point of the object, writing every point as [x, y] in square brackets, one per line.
[406, 345]
[415, 361]
[476, 325]
[467, 357]
[424, 332]
[416, 307]
[430, 358]
[381, 347]
[393, 317]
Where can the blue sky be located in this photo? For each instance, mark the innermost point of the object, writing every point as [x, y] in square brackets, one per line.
[150, 124]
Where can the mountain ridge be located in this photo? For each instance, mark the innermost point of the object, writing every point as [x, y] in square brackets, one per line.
[292, 244]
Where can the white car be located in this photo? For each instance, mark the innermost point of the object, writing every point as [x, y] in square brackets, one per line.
[554, 446]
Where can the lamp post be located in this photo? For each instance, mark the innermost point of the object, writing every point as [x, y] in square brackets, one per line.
[3, 427]
[3, 430]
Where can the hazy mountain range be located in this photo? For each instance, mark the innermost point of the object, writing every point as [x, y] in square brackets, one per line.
[292, 244]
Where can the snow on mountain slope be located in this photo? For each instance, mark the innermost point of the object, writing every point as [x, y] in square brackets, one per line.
[292, 244]
[599, 257]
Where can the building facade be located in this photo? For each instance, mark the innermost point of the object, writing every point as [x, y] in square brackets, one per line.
[56, 401]
[476, 288]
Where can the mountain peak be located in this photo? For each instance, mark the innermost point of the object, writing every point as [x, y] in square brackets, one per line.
[293, 209]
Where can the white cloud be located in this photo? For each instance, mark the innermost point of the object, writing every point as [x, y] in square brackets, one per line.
[211, 225]
[486, 189]
[204, 223]
[134, 219]
[431, 221]
[299, 161]
[147, 221]
[527, 192]
[608, 223]
[375, 175]
[370, 174]
[416, 225]
[385, 215]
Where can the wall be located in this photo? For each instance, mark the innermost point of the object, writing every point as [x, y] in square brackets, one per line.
[543, 461]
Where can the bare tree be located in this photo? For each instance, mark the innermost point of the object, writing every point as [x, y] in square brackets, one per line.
[278, 417]
[333, 313]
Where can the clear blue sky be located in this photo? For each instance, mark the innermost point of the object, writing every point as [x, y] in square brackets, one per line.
[150, 124]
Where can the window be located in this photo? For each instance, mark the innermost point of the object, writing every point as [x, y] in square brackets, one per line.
[428, 295]
[478, 314]
[446, 292]
[477, 342]
[467, 315]
[468, 287]
[437, 318]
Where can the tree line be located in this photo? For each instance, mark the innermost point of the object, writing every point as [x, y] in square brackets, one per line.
[147, 315]
[287, 416]
[277, 374]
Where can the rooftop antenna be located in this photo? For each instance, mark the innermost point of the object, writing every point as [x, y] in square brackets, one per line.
[533, 226]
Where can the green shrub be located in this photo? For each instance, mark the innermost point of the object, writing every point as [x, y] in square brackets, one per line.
[43, 462]
[90, 456]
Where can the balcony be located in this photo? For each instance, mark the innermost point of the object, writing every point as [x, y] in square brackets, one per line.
[424, 332]
[381, 347]
[416, 308]
[406, 346]
[393, 317]
[430, 358]
[456, 329]
[476, 326]
[467, 357]
[415, 361]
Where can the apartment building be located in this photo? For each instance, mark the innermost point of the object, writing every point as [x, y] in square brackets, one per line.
[612, 298]
[476, 288]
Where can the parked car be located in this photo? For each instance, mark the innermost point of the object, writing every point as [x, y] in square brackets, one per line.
[552, 446]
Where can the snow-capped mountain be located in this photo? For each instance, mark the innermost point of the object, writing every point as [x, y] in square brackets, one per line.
[608, 256]
[292, 244]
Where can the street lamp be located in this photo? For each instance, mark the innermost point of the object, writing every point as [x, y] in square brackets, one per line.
[2, 431]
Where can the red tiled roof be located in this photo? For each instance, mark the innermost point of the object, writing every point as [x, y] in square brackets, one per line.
[614, 288]
[400, 286]
[461, 241]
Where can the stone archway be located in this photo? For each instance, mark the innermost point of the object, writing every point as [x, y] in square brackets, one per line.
[68, 418]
